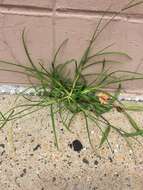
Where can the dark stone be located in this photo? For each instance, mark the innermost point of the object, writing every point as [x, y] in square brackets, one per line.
[54, 179]
[23, 173]
[96, 162]
[119, 109]
[24, 170]
[85, 161]
[36, 147]
[94, 188]
[111, 160]
[117, 175]
[2, 145]
[76, 145]
[69, 163]
[70, 145]
[2, 152]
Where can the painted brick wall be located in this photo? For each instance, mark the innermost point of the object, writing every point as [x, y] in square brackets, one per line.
[49, 22]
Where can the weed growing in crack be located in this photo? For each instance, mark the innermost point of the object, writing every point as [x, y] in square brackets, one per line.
[70, 95]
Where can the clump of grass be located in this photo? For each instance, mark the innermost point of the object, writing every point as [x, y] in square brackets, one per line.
[69, 96]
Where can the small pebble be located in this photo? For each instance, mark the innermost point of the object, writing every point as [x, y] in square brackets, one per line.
[36, 147]
[76, 145]
[85, 161]
[96, 162]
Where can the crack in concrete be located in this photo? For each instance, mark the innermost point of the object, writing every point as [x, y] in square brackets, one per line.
[135, 96]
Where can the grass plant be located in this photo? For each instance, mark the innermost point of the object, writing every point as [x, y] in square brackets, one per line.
[69, 96]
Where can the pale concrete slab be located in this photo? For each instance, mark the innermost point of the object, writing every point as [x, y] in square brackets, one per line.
[29, 159]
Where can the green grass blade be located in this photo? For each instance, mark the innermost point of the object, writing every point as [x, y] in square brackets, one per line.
[16, 71]
[96, 120]
[105, 135]
[62, 119]
[6, 119]
[2, 115]
[101, 62]
[132, 121]
[22, 93]
[131, 148]
[38, 73]
[84, 58]
[134, 134]
[54, 127]
[116, 95]
[129, 107]
[44, 69]
[61, 67]
[128, 6]
[132, 5]
[87, 129]
[17, 65]
[57, 52]
[26, 50]
[118, 53]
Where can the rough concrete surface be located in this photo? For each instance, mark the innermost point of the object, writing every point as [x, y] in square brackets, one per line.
[49, 22]
[29, 159]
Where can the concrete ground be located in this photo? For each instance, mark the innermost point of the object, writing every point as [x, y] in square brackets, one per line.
[30, 161]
